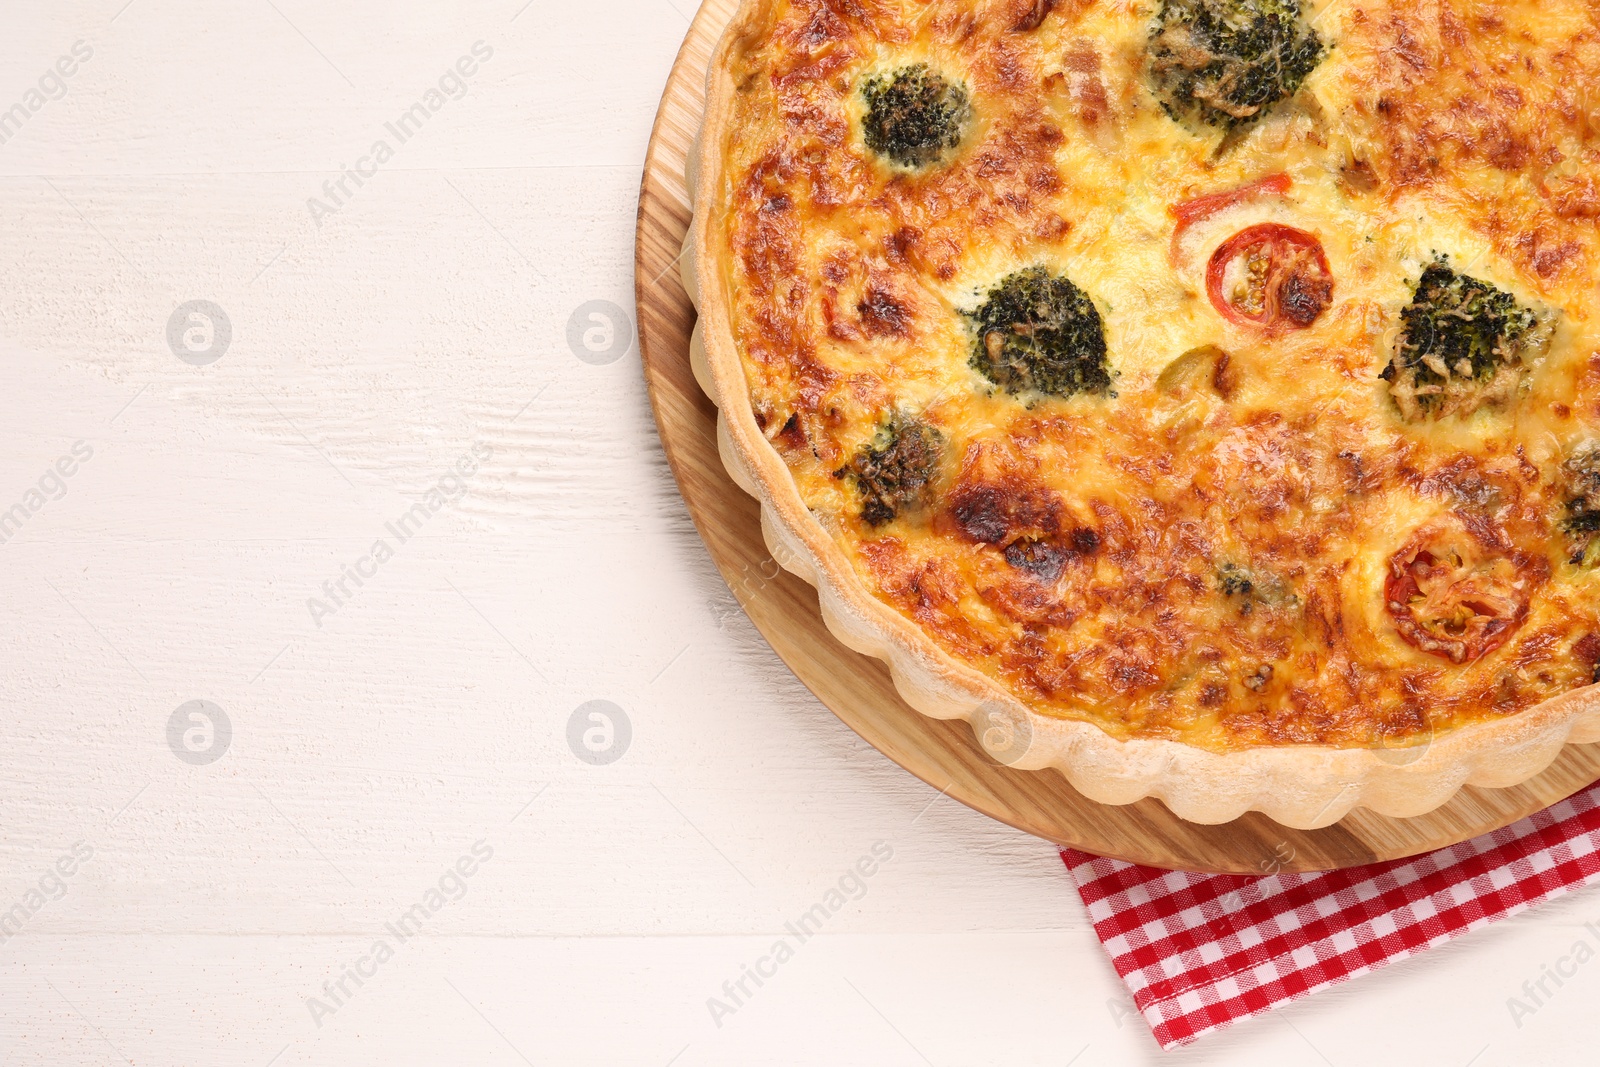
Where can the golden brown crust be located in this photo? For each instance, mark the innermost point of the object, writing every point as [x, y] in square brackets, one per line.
[1075, 558]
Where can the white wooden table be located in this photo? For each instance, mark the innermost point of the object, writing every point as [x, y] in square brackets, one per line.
[236, 889]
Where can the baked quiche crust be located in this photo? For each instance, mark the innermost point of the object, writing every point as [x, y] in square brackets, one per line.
[1203, 434]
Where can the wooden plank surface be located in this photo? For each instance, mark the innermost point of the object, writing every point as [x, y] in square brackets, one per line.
[428, 712]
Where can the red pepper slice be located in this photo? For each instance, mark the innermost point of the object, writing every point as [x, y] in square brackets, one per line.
[1200, 208]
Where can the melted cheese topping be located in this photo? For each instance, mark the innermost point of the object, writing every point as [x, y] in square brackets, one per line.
[1467, 128]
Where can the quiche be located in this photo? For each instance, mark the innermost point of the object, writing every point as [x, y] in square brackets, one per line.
[1201, 397]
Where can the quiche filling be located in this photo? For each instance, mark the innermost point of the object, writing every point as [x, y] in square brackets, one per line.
[1219, 371]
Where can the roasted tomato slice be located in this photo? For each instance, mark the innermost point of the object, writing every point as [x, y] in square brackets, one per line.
[1457, 594]
[1270, 276]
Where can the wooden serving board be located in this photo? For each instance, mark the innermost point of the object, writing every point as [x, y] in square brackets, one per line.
[858, 689]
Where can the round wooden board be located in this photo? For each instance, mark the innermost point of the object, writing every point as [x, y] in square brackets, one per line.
[858, 689]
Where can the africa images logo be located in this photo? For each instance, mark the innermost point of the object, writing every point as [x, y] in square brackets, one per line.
[52, 85]
[51, 885]
[448, 889]
[452, 85]
[52, 485]
[449, 489]
[852, 885]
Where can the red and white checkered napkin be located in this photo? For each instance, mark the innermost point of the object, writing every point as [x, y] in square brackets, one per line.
[1201, 951]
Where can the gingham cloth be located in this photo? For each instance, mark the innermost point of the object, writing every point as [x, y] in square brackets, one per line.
[1201, 951]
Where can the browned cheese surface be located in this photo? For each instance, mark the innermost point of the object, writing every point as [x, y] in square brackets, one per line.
[1076, 549]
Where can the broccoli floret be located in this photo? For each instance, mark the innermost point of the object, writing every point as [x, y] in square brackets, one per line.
[1582, 522]
[1225, 62]
[1038, 331]
[914, 116]
[1462, 345]
[894, 471]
